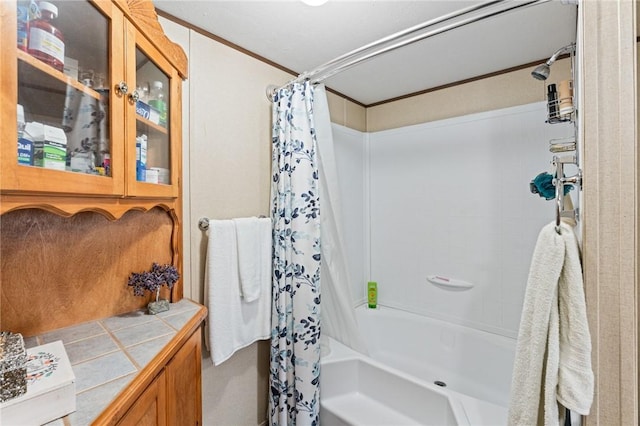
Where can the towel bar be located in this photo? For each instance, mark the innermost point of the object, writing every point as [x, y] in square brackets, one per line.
[203, 222]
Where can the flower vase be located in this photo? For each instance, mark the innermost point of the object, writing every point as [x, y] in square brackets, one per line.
[160, 305]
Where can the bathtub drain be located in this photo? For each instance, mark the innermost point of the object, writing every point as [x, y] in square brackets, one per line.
[440, 383]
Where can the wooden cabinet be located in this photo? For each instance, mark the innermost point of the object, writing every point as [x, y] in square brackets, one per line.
[93, 111]
[116, 57]
[81, 152]
[174, 393]
[183, 375]
[149, 409]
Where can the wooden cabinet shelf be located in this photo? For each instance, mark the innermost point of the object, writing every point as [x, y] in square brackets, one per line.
[152, 125]
[26, 62]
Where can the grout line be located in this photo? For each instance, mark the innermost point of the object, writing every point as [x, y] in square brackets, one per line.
[151, 319]
[107, 382]
[122, 348]
[82, 361]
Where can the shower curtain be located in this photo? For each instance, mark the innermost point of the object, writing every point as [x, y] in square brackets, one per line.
[304, 176]
[338, 314]
[294, 396]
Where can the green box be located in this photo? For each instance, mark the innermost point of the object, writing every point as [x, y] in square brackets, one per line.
[49, 146]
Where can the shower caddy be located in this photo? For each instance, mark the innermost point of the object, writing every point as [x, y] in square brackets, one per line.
[569, 149]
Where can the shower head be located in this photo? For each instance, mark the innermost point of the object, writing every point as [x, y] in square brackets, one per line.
[542, 71]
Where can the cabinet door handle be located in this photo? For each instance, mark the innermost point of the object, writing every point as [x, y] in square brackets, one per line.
[122, 88]
[134, 97]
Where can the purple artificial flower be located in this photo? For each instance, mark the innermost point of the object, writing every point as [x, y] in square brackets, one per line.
[152, 280]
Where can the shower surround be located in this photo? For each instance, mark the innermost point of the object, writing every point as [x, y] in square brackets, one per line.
[448, 198]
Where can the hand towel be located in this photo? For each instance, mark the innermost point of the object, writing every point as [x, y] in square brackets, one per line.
[254, 255]
[575, 376]
[233, 324]
[553, 353]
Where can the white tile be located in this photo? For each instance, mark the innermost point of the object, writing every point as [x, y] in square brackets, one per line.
[73, 333]
[101, 370]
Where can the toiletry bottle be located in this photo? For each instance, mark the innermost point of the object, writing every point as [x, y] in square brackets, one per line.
[565, 98]
[25, 142]
[21, 122]
[27, 10]
[23, 26]
[552, 102]
[141, 158]
[372, 294]
[157, 101]
[143, 93]
[45, 41]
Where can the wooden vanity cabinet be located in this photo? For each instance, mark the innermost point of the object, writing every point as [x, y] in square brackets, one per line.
[174, 395]
[183, 379]
[149, 409]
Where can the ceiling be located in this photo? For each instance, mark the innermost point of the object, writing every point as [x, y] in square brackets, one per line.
[301, 37]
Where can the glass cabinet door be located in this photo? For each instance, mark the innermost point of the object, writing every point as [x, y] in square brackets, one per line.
[151, 158]
[66, 61]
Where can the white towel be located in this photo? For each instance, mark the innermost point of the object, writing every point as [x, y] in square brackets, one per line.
[233, 324]
[254, 255]
[553, 354]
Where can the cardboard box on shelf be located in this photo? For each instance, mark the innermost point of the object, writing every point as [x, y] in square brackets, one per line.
[49, 145]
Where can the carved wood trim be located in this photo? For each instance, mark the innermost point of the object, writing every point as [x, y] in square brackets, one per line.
[110, 208]
[143, 15]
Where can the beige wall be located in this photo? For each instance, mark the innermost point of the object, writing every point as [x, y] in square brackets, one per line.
[346, 113]
[501, 91]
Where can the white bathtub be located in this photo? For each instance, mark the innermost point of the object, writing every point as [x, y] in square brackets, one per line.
[408, 353]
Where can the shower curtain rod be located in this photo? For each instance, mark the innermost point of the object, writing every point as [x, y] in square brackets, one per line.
[356, 56]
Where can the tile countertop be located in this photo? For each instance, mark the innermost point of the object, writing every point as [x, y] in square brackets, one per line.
[107, 354]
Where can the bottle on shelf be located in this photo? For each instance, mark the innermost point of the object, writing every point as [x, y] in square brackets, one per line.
[143, 93]
[141, 158]
[552, 102]
[23, 26]
[565, 98]
[27, 10]
[45, 41]
[25, 143]
[158, 102]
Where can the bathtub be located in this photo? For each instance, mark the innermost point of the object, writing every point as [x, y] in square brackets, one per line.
[420, 371]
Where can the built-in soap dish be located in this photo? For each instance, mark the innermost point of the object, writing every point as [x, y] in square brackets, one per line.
[449, 283]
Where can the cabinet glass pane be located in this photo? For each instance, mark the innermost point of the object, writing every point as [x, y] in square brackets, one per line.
[63, 81]
[153, 153]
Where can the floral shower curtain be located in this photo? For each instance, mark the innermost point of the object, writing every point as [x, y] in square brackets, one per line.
[294, 397]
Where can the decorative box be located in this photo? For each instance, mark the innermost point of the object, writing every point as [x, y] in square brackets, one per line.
[13, 366]
[51, 389]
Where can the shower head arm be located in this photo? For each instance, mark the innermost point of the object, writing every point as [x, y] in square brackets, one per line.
[570, 48]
